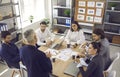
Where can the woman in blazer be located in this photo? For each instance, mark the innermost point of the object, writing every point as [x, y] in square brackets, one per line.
[98, 35]
[96, 66]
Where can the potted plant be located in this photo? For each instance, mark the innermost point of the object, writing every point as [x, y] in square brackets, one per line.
[47, 20]
[112, 5]
[31, 18]
[67, 12]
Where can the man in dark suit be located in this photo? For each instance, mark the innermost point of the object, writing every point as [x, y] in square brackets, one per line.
[9, 51]
[37, 63]
[96, 66]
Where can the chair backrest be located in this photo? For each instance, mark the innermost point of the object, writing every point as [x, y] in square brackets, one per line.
[111, 73]
[114, 58]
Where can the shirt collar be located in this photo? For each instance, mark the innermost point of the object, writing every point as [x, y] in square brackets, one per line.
[92, 57]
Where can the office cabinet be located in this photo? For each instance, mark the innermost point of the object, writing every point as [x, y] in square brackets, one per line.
[112, 20]
[62, 13]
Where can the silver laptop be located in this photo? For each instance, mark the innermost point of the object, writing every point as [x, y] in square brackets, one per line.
[72, 70]
[55, 45]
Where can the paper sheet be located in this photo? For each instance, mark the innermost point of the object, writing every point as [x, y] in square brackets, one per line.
[82, 63]
[65, 54]
[52, 51]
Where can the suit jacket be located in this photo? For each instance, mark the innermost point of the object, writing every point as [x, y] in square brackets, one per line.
[105, 52]
[36, 62]
[95, 68]
[10, 53]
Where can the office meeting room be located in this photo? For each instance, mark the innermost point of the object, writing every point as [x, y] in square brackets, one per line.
[59, 38]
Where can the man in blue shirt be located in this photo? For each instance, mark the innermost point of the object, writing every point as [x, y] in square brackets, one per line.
[37, 62]
[9, 51]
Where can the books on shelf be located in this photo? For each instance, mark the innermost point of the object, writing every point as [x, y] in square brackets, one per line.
[55, 12]
[68, 21]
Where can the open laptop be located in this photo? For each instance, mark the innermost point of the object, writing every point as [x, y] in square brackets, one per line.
[57, 45]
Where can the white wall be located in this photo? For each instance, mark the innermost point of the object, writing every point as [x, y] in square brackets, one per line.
[47, 15]
[33, 26]
[5, 11]
[48, 8]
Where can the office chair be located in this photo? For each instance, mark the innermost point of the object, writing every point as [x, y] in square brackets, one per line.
[114, 58]
[111, 74]
[23, 69]
[14, 70]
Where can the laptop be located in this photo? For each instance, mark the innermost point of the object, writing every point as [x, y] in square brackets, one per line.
[72, 70]
[56, 45]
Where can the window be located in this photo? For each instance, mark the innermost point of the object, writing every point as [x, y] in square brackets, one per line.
[36, 8]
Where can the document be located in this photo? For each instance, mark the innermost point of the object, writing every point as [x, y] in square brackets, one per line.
[82, 63]
[80, 17]
[64, 54]
[98, 12]
[52, 51]
[91, 4]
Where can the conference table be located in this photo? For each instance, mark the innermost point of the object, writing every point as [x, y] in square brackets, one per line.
[59, 65]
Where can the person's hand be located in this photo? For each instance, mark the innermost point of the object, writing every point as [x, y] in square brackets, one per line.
[82, 54]
[48, 43]
[74, 46]
[83, 45]
[77, 60]
[83, 50]
[48, 54]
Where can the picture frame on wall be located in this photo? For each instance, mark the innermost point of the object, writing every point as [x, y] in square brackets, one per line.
[80, 17]
[97, 19]
[89, 18]
[100, 4]
[90, 11]
[98, 12]
[82, 3]
[91, 4]
[81, 10]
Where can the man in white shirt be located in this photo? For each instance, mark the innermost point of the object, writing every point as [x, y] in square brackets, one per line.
[44, 36]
